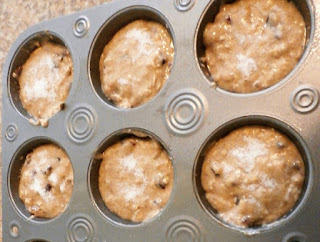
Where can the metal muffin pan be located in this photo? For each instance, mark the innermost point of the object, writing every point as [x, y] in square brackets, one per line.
[185, 116]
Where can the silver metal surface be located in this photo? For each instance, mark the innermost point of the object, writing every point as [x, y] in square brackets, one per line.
[187, 114]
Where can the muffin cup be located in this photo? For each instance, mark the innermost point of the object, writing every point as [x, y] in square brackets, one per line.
[184, 117]
[208, 16]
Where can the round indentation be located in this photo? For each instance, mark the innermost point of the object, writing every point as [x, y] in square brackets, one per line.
[81, 26]
[93, 174]
[14, 230]
[21, 56]
[80, 229]
[184, 229]
[304, 99]
[185, 111]
[184, 5]
[11, 132]
[107, 32]
[81, 124]
[295, 237]
[245, 64]
[37, 240]
[13, 178]
[225, 129]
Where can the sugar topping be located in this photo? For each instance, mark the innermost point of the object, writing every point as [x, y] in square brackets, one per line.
[141, 36]
[53, 178]
[241, 37]
[227, 168]
[274, 22]
[63, 186]
[252, 200]
[129, 162]
[267, 182]
[277, 31]
[248, 154]
[252, 187]
[129, 190]
[144, 44]
[35, 208]
[246, 65]
[43, 157]
[38, 186]
[122, 81]
[42, 86]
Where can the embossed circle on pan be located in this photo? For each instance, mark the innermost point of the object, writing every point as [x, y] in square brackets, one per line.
[105, 35]
[81, 124]
[11, 132]
[184, 229]
[295, 237]
[81, 26]
[184, 5]
[14, 229]
[13, 178]
[37, 240]
[185, 111]
[304, 99]
[254, 120]
[305, 8]
[20, 57]
[80, 229]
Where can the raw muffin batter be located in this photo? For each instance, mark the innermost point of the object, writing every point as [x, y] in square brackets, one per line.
[136, 63]
[45, 81]
[254, 44]
[252, 176]
[135, 178]
[46, 181]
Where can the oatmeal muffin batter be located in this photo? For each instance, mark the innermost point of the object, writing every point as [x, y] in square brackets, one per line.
[45, 81]
[253, 44]
[136, 63]
[46, 181]
[252, 176]
[135, 178]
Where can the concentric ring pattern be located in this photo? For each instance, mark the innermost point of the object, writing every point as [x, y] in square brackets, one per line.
[184, 229]
[80, 229]
[81, 26]
[185, 112]
[11, 132]
[184, 5]
[304, 99]
[81, 124]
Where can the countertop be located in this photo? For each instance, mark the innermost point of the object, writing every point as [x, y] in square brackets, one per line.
[16, 16]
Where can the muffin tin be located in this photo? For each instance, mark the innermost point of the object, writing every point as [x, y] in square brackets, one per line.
[185, 116]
